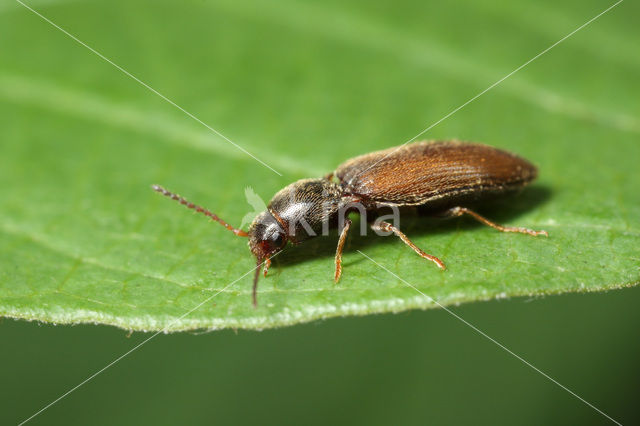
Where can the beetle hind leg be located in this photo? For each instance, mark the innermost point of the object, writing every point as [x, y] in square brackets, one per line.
[459, 211]
[387, 227]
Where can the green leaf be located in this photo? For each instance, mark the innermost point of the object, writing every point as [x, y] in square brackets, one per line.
[302, 86]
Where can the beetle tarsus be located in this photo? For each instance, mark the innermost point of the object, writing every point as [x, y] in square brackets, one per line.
[459, 211]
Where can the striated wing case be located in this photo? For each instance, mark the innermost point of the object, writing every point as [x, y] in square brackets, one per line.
[427, 172]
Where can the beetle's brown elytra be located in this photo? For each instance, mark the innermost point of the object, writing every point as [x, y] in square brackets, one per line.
[446, 176]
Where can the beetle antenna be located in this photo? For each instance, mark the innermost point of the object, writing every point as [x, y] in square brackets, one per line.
[256, 277]
[190, 205]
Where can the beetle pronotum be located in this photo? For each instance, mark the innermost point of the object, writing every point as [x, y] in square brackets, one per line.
[444, 176]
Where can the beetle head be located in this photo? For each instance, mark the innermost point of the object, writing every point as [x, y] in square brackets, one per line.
[266, 236]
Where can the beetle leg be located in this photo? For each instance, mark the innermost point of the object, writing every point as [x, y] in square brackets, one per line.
[387, 227]
[341, 241]
[267, 263]
[459, 211]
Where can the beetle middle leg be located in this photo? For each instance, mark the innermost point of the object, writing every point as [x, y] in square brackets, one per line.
[341, 241]
[387, 227]
[459, 211]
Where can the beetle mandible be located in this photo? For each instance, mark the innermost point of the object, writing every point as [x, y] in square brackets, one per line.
[445, 176]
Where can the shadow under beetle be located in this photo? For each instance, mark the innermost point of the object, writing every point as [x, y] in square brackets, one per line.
[444, 176]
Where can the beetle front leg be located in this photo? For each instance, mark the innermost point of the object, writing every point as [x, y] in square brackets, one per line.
[387, 227]
[267, 264]
[341, 241]
[459, 211]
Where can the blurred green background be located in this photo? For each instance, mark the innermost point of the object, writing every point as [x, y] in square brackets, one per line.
[411, 368]
[277, 77]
